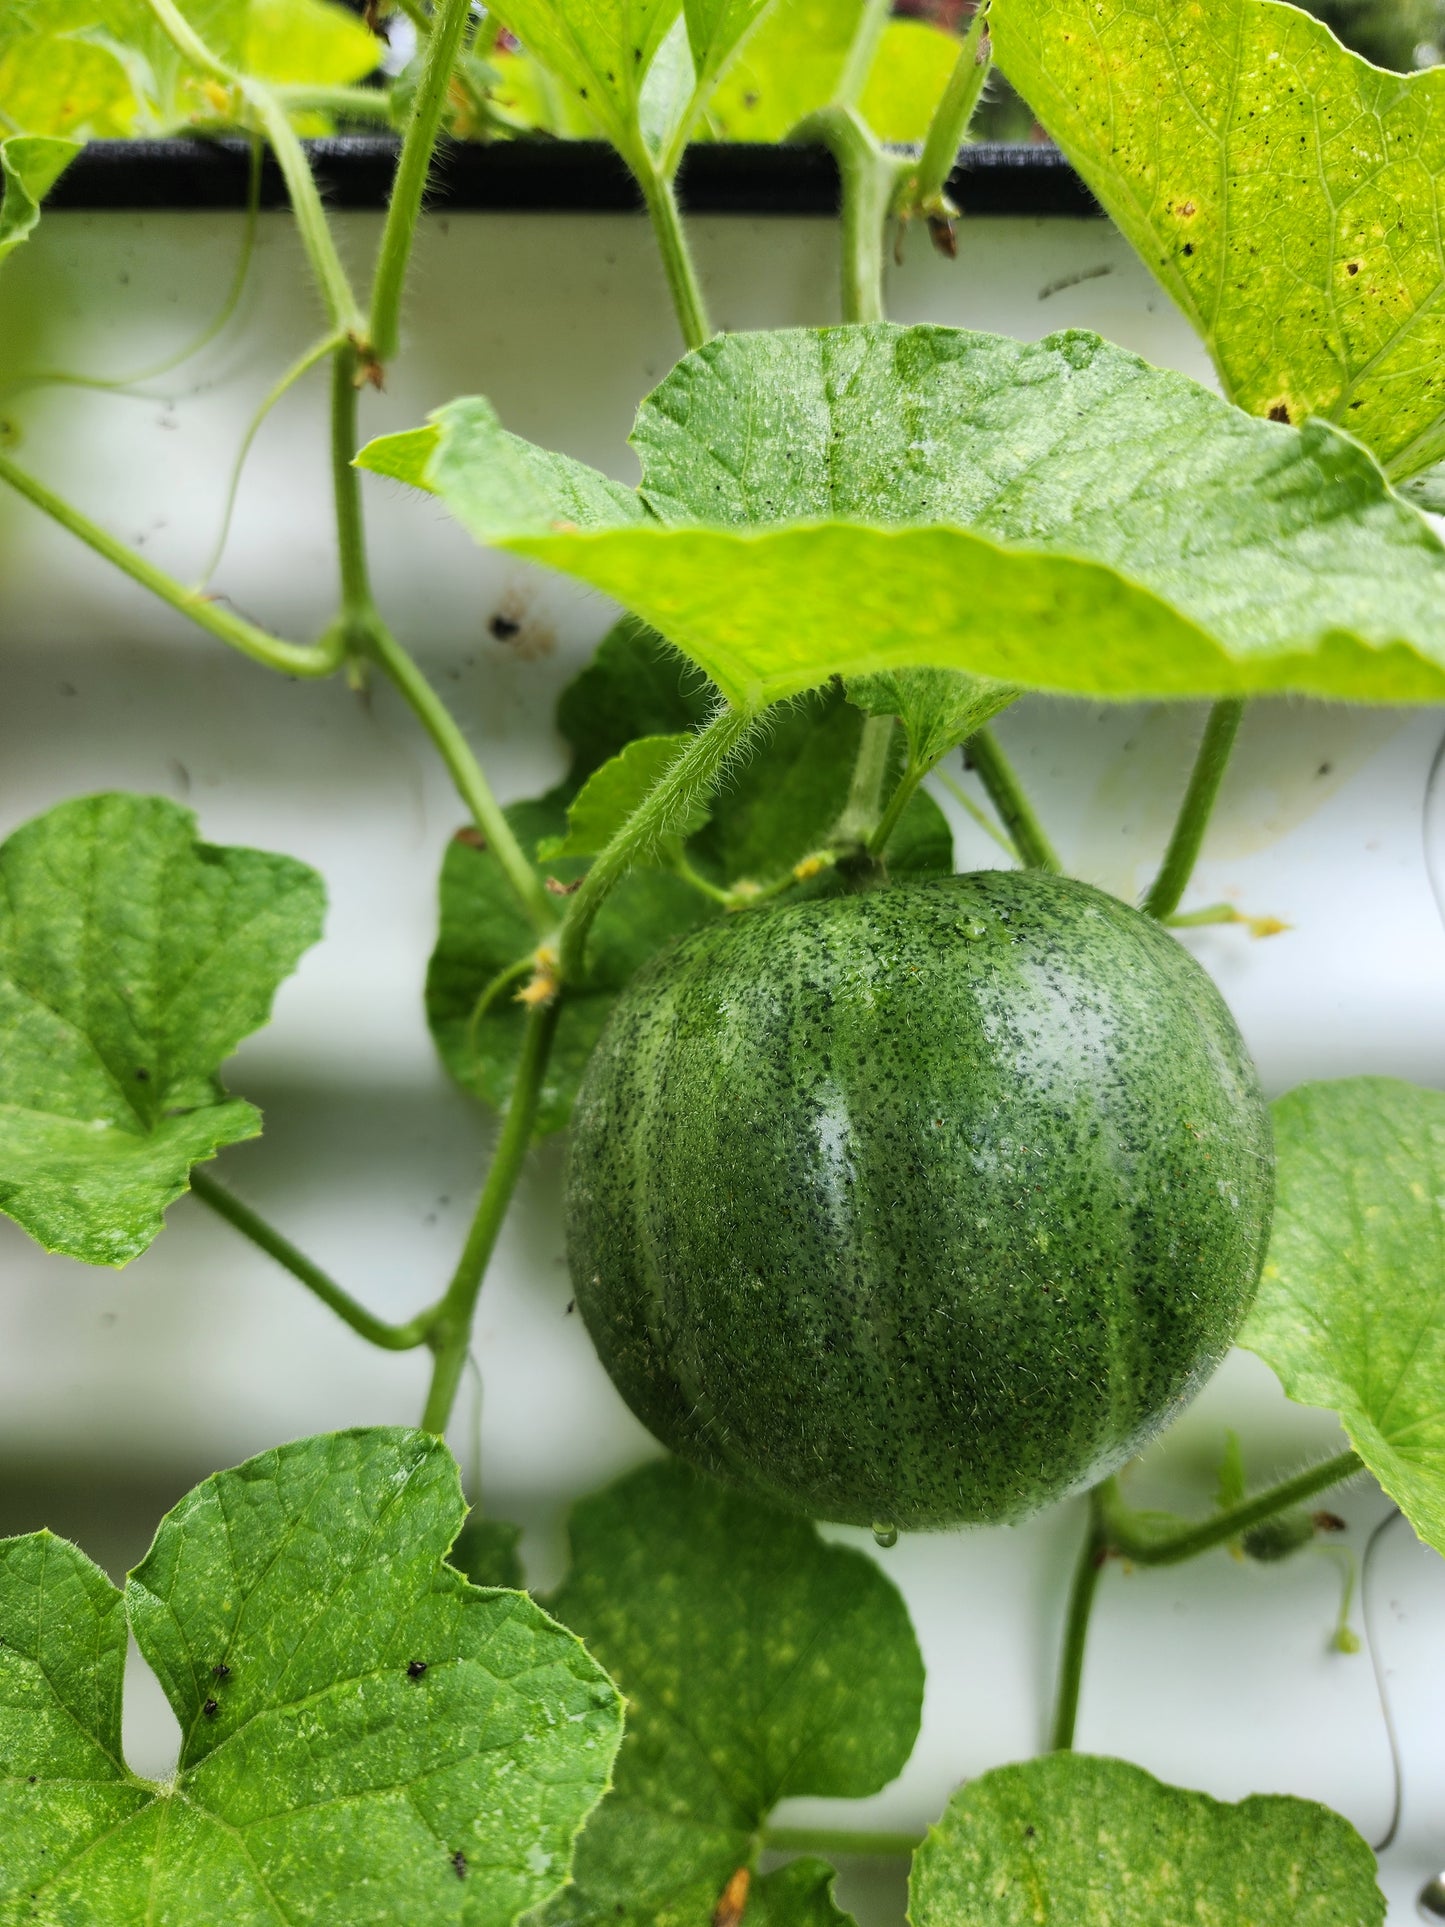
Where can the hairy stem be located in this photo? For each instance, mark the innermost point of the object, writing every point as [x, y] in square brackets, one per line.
[345, 103]
[1150, 1548]
[990, 829]
[466, 772]
[1194, 813]
[311, 223]
[672, 244]
[413, 165]
[358, 611]
[451, 1326]
[1093, 1555]
[863, 811]
[376, 1331]
[290, 658]
[923, 188]
[691, 777]
[1015, 811]
[832, 1840]
[868, 178]
[902, 796]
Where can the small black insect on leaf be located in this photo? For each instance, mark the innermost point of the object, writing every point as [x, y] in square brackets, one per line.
[211, 1708]
[415, 1668]
[459, 1864]
[222, 1671]
[505, 628]
[142, 1076]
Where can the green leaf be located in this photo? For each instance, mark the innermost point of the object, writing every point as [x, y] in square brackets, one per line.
[794, 59]
[486, 1553]
[1282, 189]
[758, 1663]
[285, 1608]
[1059, 516]
[1350, 1313]
[1069, 1841]
[635, 685]
[938, 707]
[612, 793]
[716, 29]
[105, 68]
[482, 932]
[601, 50]
[30, 165]
[133, 961]
[798, 1895]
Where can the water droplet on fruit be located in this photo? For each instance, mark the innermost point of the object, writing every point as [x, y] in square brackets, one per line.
[1432, 1900]
[974, 931]
[884, 1534]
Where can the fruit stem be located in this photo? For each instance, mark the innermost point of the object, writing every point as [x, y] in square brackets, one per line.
[1195, 811]
[1146, 1547]
[1093, 1556]
[863, 810]
[376, 1331]
[1015, 811]
[1116, 1532]
[450, 1325]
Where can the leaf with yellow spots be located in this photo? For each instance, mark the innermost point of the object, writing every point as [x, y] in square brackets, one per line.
[1351, 1308]
[1283, 190]
[1070, 1841]
[367, 1738]
[758, 1663]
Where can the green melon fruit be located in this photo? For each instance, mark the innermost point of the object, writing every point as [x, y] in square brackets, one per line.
[920, 1207]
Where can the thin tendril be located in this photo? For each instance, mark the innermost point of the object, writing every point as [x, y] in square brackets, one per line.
[1396, 1768]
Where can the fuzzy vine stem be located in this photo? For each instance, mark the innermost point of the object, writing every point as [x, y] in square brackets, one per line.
[376, 1331]
[1115, 1532]
[868, 177]
[311, 223]
[923, 188]
[672, 243]
[690, 777]
[450, 1326]
[902, 796]
[1182, 854]
[413, 165]
[289, 658]
[1093, 1555]
[1015, 811]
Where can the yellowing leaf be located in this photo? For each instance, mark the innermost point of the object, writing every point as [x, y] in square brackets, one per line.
[1285, 192]
[601, 49]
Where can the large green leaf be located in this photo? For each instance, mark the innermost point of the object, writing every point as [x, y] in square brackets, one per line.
[102, 68]
[1069, 1841]
[778, 806]
[601, 50]
[1061, 516]
[1351, 1307]
[365, 1737]
[133, 960]
[30, 165]
[1285, 192]
[758, 1663]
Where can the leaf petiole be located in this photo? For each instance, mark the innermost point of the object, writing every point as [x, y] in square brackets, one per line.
[869, 177]
[923, 190]
[1182, 854]
[1093, 1556]
[1015, 811]
[443, 43]
[677, 262]
[376, 1331]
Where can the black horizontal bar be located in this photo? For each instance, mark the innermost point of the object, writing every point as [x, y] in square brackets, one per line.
[549, 176]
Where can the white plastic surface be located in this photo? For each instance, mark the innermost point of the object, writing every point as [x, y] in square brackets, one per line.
[1215, 1675]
